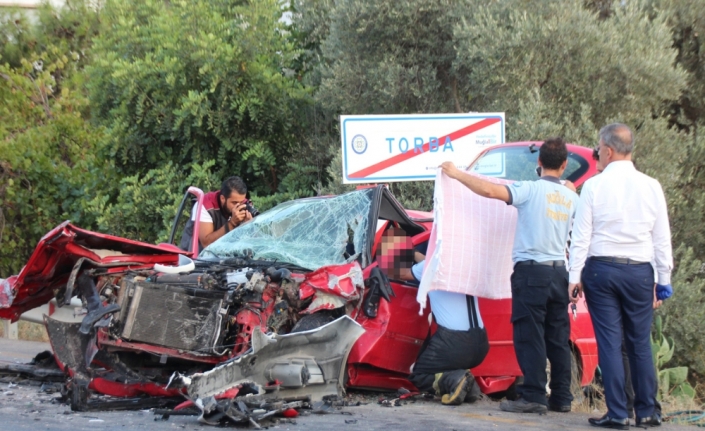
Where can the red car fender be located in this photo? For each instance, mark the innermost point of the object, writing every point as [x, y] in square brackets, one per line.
[332, 286]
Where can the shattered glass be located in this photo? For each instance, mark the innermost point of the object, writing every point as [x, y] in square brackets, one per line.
[309, 233]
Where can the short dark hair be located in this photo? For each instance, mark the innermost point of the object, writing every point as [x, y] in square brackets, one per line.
[553, 153]
[233, 184]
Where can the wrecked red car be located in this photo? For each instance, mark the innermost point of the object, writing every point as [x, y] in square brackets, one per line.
[301, 298]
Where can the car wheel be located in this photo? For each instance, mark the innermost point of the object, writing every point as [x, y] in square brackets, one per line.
[313, 321]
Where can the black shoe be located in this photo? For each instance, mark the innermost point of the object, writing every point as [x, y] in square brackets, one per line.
[454, 386]
[649, 421]
[522, 406]
[558, 408]
[474, 393]
[608, 422]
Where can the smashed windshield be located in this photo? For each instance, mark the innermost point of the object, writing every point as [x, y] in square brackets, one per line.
[309, 233]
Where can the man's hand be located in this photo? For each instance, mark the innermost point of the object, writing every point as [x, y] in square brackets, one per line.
[570, 185]
[575, 291]
[450, 169]
[663, 291]
[657, 302]
[238, 215]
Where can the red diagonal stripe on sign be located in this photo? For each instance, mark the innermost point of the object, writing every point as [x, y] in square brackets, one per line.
[384, 164]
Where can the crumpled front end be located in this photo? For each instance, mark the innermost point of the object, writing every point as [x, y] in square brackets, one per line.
[304, 364]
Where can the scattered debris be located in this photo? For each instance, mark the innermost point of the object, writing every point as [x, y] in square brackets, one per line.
[394, 402]
[246, 408]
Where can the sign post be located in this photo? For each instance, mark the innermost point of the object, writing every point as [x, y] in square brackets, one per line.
[387, 148]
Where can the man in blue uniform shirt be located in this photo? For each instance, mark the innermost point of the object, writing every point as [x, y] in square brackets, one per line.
[540, 279]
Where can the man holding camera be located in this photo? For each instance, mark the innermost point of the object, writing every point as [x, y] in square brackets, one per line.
[223, 210]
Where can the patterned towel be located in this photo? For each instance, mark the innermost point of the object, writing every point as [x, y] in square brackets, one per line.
[470, 249]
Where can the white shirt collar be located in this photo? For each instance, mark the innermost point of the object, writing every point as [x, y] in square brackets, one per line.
[619, 165]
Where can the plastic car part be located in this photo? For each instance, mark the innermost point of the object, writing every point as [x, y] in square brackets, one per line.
[325, 349]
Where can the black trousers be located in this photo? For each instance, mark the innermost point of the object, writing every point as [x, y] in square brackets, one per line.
[449, 350]
[542, 330]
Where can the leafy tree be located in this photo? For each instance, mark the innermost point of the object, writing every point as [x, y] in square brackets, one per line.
[390, 57]
[578, 65]
[46, 142]
[155, 197]
[684, 314]
[185, 82]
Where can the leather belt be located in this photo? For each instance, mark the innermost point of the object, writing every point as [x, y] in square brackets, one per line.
[620, 260]
[553, 263]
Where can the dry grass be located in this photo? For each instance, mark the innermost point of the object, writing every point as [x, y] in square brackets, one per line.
[29, 331]
[590, 400]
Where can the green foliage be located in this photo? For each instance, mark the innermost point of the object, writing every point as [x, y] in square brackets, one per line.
[169, 88]
[46, 143]
[388, 57]
[684, 313]
[672, 381]
[70, 29]
[578, 64]
[146, 204]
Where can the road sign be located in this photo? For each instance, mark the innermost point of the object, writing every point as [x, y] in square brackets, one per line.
[388, 148]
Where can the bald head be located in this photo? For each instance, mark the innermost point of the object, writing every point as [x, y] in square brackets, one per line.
[618, 137]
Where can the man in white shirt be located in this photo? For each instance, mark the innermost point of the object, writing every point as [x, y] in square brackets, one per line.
[621, 227]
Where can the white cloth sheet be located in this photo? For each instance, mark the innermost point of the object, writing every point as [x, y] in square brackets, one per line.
[470, 248]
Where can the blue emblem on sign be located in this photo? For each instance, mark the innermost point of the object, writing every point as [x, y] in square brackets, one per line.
[359, 144]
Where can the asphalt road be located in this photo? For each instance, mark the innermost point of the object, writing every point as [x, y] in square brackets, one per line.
[26, 407]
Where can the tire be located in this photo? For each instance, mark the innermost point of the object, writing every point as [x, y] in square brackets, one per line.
[312, 321]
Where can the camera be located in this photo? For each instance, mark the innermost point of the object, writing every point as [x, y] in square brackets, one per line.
[251, 209]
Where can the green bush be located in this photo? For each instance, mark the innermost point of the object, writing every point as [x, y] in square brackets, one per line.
[185, 82]
[684, 313]
[47, 144]
[146, 205]
[671, 381]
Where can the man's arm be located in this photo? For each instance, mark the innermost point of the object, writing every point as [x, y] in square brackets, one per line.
[477, 185]
[580, 242]
[661, 239]
[208, 236]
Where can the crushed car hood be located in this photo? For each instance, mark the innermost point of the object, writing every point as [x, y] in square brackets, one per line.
[64, 250]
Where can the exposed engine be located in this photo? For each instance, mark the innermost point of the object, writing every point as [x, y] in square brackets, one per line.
[211, 311]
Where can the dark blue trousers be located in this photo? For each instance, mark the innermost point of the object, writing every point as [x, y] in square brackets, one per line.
[621, 296]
